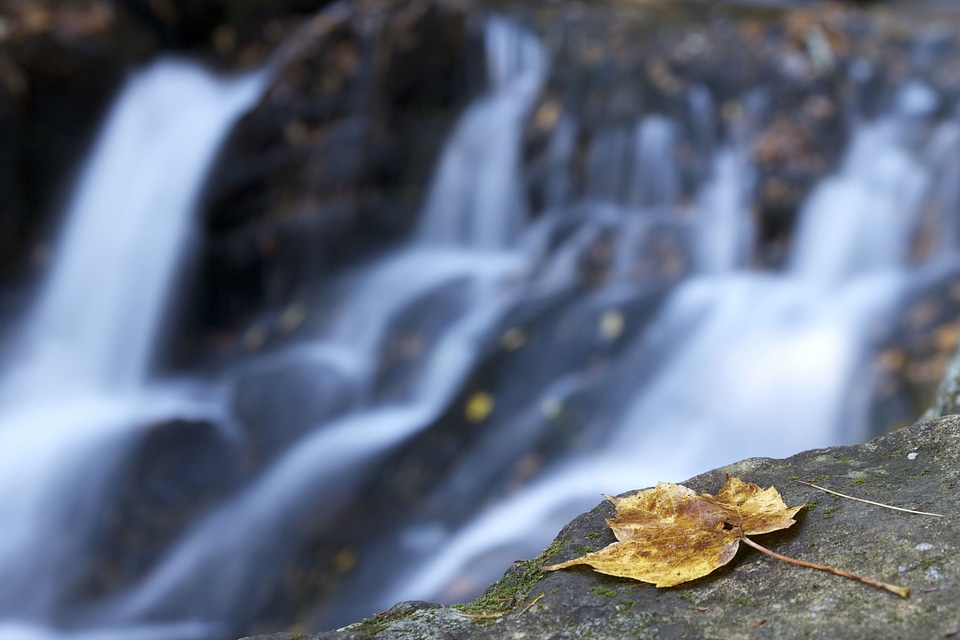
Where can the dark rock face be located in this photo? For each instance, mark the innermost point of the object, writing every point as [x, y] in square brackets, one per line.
[173, 473]
[61, 61]
[60, 64]
[277, 403]
[332, 165]
[914, 468]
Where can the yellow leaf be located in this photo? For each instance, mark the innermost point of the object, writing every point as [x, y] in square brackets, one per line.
[668, 535]
[479, 406]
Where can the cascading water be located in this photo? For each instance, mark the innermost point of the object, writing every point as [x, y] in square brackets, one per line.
[475, 200]
[610, 370]
[76, 390]
[750, 350]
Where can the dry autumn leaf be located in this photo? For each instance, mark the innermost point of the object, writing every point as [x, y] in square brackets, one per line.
[669, 534]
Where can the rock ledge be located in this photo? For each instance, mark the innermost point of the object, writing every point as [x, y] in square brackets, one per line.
[754, 596]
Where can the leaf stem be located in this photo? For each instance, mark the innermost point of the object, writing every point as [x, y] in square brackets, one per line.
[877, 504]
[900, 591]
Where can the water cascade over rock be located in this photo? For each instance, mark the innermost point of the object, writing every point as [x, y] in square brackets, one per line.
[589, 300]
[75, 393]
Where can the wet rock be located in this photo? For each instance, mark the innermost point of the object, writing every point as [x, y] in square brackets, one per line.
[278, 401]
[410, 338]
[170, 476]
[332, 164]
[914, 467]
[911, 355]
[60, 63]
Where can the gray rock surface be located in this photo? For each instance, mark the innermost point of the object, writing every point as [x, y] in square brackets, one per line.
[754, 596]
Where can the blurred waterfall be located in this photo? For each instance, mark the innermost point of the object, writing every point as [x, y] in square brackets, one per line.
[457, 400]
[475, 200]
[744, 363]
[76, 390]
[126, 231]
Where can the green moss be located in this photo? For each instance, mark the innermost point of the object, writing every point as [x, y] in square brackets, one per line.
[793, 478]
[380, 622]
[603, 591]
[627, 603]
[925, 472]
[583, 549]
[859, 480]
[743, 601]
[822, 478]
[514, 587]
[812, 505]
[829, 511]
[686, 595]
[594, 535]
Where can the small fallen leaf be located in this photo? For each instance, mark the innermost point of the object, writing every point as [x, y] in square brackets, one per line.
[669, 534]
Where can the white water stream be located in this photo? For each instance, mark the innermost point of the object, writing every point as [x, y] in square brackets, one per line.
[733, 364]
[76, 391]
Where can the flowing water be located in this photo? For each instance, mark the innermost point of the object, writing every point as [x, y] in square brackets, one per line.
[642, 369]
[75, 392]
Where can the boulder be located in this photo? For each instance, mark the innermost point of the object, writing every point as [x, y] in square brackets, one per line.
[753, 596]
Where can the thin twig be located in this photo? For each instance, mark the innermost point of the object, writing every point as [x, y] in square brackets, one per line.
[900, 591]
[878, 504]
[532, 602]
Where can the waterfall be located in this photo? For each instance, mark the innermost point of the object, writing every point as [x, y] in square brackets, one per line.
[77, 388]
[474, 200]
[532, 359]
[759, 364]
[128, 225]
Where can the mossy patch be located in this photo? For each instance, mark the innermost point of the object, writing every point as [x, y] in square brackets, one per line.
[514, 587]
[382, 621]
